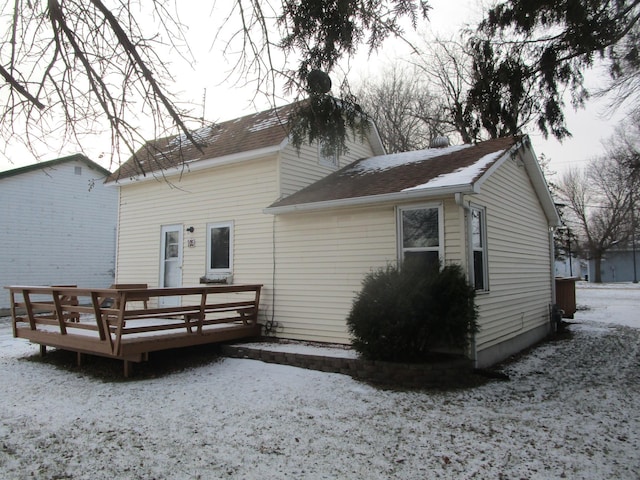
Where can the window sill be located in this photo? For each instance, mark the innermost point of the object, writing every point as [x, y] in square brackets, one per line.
[217, 278]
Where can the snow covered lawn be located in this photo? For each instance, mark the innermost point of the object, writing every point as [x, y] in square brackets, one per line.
[570, 410]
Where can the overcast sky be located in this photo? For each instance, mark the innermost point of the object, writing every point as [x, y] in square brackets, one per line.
[225, 99]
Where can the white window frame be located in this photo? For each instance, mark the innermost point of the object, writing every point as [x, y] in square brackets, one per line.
[212, 272]
[400, 234]
[482, 212]
[327, 161]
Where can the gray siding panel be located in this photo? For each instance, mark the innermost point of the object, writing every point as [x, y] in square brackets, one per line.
[58, 227]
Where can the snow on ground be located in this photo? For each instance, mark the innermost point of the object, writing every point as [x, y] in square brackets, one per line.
[570, 410]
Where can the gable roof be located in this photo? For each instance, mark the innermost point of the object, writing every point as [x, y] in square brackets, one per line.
[418, 174]
[251, 132]
[78, 157]
[258, 133]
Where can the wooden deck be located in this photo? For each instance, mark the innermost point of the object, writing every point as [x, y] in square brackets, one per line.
[125, 321]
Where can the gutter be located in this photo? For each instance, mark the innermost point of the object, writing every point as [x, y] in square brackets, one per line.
[195, 165]
[370, 200]
[552, 260]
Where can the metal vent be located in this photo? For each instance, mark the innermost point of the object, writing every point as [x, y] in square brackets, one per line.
[439, 142]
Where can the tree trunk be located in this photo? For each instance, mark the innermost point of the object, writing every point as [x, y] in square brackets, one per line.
[598, 267]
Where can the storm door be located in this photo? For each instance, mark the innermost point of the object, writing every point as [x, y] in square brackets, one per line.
[170, 262]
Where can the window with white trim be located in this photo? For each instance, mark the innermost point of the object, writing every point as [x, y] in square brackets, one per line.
[479, 248]
[327, 160]
[420, 234]
[219, 248]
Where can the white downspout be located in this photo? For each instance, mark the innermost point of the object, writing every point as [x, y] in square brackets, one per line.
[459, 198]
[552, 250]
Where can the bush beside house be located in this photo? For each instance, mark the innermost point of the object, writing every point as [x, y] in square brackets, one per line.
[406, 315]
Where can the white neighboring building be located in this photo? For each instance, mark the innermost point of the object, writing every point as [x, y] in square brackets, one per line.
[573, 267]
[58, 225]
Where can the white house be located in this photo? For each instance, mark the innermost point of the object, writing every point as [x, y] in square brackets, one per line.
[250, 208]
[58, 225]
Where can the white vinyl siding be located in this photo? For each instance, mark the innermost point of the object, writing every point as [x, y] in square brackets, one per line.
[321, 260]
[301, 168]
[235, 193]
[454, 234]
[518, 252]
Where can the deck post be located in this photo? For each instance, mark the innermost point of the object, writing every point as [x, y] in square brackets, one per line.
[102, 325]
[29, 307]
[14, 313]
[122, 307]
[43, 350]
[59, 313]
[203, 306]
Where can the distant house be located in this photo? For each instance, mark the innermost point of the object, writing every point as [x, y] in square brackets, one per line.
[58, 225]
[250, 208]
[572, 267]
[617, 266]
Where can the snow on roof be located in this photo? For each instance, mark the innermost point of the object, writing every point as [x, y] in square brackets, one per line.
[461, 176]
[273, 118]
[385, 162]
[425, 171]
[204, 135]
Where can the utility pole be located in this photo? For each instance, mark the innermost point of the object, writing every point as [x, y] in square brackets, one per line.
[634, 184]
[633, 239]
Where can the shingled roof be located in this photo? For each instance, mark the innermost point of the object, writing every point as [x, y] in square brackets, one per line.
[44, 166]
[434, 171]
[251, 132]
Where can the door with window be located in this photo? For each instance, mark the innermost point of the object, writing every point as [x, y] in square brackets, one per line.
[170, 262]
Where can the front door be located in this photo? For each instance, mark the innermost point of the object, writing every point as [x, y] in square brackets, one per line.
[171, 262]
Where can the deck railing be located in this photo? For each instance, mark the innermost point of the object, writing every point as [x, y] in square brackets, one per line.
[129, 321]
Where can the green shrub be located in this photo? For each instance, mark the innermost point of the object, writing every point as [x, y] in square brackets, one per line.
[402, 315]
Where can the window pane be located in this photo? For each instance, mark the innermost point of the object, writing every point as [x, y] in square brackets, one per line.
[420, 228]
[219, 247]
[330, 160]
[476, 228]
[171, 244]
[425, 260]
[478, 270]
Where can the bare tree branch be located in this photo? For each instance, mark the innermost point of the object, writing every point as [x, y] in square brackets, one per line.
[75, 67]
